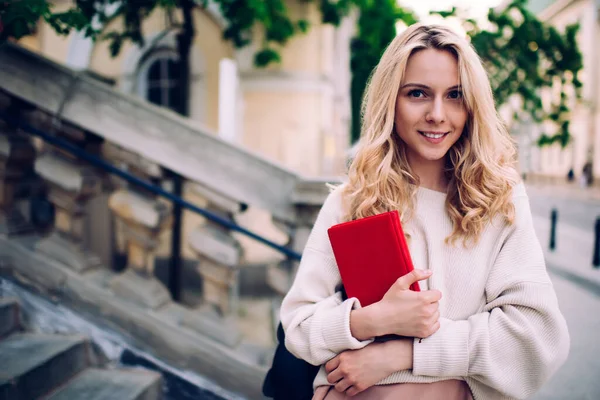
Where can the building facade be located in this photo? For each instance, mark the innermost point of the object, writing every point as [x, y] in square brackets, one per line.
[296, 113]
[554, 161]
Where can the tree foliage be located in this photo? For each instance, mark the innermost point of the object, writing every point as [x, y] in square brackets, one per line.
[376, 29]
[243, 17]
[526, 57]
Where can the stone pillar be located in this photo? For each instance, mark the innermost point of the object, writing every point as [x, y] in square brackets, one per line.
[141, 219]
[70, 185]
[16, 175]
[308, 199]
[219, 255]
[280, 276]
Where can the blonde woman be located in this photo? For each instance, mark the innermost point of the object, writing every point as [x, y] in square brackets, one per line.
[486, 324]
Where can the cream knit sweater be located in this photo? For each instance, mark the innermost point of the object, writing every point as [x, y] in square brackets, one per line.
[501, 328]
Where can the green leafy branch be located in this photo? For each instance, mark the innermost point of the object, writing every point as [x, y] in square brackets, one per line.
[525, 57]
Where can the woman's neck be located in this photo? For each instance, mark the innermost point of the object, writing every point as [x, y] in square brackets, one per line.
[431, 174]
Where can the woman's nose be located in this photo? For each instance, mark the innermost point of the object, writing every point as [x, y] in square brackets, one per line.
[436, 114]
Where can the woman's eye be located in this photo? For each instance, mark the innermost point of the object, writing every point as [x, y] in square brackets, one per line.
[455, 94]
[417, 94]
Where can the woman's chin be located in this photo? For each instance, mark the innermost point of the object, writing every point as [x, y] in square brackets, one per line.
[432, 156]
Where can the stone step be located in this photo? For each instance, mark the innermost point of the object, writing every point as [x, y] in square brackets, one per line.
[33, 364]
[102, 384]
[9, 316]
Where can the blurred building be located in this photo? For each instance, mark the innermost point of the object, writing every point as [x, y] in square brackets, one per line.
[553, 161]
[296, 113]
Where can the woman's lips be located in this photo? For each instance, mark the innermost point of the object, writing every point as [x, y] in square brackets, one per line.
[433, 137]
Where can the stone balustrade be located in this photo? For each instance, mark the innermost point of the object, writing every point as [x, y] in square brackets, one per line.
[90, 206]
[140, 223]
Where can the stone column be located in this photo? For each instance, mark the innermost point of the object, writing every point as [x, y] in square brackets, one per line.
[17, 177]
[308, 198]
[219, 255]
[280, 276]
[142, 219]
[70, 186]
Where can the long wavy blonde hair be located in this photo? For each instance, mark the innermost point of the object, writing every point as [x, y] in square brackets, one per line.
[480, 167]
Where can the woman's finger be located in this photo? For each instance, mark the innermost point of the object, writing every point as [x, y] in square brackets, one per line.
[342, 385]
[332, 364]
[321, 392]
[334, 376]
[351, 391]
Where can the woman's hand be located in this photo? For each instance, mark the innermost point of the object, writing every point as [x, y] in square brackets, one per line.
[401, 311]
[354, 371]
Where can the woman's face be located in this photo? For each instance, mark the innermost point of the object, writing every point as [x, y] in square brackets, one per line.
[430, 113]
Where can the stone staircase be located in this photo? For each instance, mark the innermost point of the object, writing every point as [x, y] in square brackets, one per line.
[61, 367]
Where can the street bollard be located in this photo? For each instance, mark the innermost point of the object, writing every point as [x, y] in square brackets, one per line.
[553, 218]
[596, 260]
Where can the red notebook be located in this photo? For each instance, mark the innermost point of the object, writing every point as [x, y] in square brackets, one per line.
[371, 254]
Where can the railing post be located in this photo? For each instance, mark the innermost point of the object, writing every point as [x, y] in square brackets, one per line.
[596, 258]
[175, 267]
[280, 276]
[553, 220]
[141, 220]
[219, 255]
[70, 185]
[308, 198]
[17, 175]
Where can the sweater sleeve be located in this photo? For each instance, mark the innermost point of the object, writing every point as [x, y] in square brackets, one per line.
[315, 319]
[520, 339]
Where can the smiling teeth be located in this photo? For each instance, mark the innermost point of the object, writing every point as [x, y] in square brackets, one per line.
[432, 136]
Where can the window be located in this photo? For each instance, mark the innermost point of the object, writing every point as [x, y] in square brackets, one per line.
[157, 79]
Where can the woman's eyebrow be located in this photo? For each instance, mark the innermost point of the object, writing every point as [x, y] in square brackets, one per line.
[421, 86]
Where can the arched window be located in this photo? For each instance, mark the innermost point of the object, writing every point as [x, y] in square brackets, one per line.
[157, 79]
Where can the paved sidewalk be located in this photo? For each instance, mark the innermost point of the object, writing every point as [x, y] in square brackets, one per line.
[564, 189]
[572, 258]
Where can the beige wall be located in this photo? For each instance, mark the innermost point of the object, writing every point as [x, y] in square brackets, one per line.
[285, 126]
[294, 111]
[47, 42]
[212, 48]
[31, 42]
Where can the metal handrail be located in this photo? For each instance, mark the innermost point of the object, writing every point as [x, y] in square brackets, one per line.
[99, 162]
